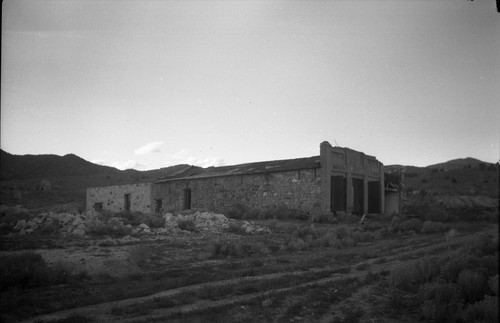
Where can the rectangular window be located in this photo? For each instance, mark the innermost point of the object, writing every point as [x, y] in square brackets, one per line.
[187, 199]
[158, 205]
[98, 206]
[127, 202]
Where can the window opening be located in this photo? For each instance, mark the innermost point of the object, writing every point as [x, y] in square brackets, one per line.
[127, 202]
[187, 199]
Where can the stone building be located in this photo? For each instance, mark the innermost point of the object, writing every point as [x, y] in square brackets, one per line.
[338, 180]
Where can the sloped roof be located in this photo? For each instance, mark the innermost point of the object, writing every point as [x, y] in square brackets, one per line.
[194, 172]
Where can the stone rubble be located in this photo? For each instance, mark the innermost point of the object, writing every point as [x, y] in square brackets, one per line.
[68, 224]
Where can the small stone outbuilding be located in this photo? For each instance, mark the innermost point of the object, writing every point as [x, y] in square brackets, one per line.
[338, 180]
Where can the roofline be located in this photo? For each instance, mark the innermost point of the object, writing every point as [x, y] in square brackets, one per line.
[229, 175]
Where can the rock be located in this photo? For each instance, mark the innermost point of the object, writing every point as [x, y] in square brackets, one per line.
[79, 232]
[20, 225]
[143, 226]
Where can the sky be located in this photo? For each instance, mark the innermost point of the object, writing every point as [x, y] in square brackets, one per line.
[148, 84]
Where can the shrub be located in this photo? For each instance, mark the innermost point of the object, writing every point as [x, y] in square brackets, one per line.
[426, 269]
[409, 277]
[140, 254]
[434, 227]
[490, 264]
[472, 284]
[401, 278]
[323, 217]
[482, 311]
[348, 218]
[341, 231]
[282, 212]
[24, 270]
[187, 225]
[452, 268]
[363, 236]
[240, 211]
[113, 228]
[440, 302]
[438, 214]
[236, 227]
[482, 244]
[410, 225]
[493, 284]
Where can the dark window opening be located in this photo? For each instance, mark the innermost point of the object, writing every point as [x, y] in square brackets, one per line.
[187, 199]
[338, 193]
[98, 206]
[158, 205]
[127, 202]
[358, 192]
[374, 197]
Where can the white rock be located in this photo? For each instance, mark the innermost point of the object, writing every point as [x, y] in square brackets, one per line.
[143, 226]
[20, 225]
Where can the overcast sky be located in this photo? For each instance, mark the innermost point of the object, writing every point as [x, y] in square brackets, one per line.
[148, 84]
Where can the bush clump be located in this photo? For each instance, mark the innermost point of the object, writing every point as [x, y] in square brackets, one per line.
[187, 225]
[473, 285]
[113, 227]
[410, 225]
[440, 301]
[485, 310]
[434, 227]
[24, 270]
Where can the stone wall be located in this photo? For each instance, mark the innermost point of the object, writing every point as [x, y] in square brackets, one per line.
[298, 189]
[113, 198]
[353, 166]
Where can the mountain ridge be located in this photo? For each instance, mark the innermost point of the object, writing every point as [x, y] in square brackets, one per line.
[30, 166]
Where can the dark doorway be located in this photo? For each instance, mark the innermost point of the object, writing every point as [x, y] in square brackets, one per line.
[127, 202]
[338, 193]
[358, 196]
[187, 199]
[374, 197]
[158, 205]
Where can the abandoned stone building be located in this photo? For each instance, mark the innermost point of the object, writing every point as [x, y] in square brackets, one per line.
[338, 180]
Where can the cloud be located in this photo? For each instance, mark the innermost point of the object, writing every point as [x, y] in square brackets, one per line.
[152, 147]
[180, 154]
[128, 164]
[206, 162]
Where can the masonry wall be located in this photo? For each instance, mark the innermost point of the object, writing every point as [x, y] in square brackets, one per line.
[299, 189]
[113, 197]
[353, 166]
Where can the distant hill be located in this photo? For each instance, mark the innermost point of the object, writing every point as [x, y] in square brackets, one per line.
[42, 180]
[41, 166]
[468, 162]
[465, 176]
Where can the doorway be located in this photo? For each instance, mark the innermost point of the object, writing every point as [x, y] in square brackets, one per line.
[338, 194]
[358, 194]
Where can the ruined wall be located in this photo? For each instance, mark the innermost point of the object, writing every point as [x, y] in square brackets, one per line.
[113, 197]
[353, 166]
[299, 189]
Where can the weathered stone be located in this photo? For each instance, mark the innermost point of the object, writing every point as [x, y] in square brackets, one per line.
[20, 225]
[143, 226]
[79, 232]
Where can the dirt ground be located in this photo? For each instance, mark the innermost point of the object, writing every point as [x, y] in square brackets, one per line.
[200, 277]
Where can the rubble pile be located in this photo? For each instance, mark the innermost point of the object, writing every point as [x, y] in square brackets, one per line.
[62, 223]
[203, 221]
[69, 224]
[252, 228]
